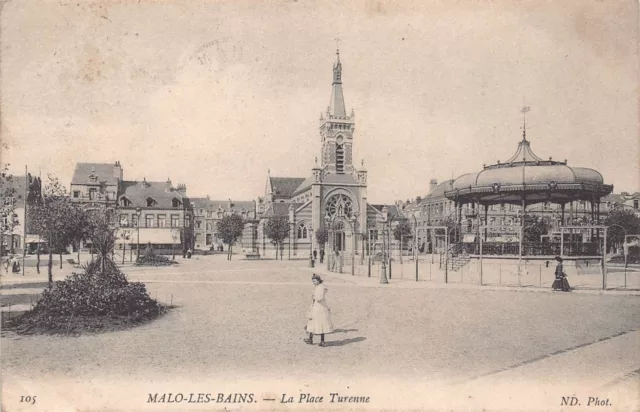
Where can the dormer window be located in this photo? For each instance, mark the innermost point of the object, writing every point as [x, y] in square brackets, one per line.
[151, 202]
[125, 202]
[175, 202]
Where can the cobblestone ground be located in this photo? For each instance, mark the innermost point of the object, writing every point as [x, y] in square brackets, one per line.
[238, 327]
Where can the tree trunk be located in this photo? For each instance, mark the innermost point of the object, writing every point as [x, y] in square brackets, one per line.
[230, 251]
[78, 246]
[38, 256]
[50, 268]
[60, 260]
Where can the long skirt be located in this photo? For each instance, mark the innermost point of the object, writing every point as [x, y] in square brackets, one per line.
[561, 284]
[319, 319]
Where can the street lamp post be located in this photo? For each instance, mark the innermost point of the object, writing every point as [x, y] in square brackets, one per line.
[389, 243]
[353, 220]
[138, 213]
[311, 264]
[415, 241]
[290, 237]
[328, 254]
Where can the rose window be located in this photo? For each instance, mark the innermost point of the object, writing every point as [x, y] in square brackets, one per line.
[339, 205]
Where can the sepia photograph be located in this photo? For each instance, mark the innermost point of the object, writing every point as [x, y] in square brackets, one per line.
[284, 205]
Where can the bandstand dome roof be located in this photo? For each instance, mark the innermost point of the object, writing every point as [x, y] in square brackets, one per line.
[525, 176]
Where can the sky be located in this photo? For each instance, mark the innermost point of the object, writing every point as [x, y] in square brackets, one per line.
[214, 94]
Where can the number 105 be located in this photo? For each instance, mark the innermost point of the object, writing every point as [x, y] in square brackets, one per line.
[28, 399]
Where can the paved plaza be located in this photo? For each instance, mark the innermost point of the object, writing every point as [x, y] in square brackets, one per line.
[237, 327]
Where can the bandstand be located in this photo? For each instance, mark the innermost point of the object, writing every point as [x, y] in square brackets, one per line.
[528, 181]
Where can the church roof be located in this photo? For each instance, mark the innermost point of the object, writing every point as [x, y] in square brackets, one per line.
[337, 179]
[108, 173]
[285, 186]
[280, 209]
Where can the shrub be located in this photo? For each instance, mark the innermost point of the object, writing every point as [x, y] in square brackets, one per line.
[89, 301]
[152, 259]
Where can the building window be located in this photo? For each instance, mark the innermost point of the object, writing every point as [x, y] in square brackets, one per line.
[175, 202]
[187, 221]
[209, 214]
[340, 158]
[175, 220]
[93, 193]
[134, 220]
[198, 224]
[635, 204]
[162, 220]
[124, 220]
[76, 194]
[209, 226]
[125, 202]
[302, 231]
[148, 220]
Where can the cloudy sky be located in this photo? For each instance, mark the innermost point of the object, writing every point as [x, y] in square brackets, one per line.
[215, 93]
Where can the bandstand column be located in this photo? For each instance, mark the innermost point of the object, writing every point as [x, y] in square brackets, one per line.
[486, 219]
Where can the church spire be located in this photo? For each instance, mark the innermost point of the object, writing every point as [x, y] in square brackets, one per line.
[336, 105]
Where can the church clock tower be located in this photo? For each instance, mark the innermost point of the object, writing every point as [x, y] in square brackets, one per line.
[336, 129]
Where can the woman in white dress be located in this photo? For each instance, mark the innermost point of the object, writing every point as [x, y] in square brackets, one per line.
[319, 313]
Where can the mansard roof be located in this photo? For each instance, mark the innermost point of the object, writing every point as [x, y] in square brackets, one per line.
[161, 192]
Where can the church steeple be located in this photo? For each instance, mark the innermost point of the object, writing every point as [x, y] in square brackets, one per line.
[336, 105]
[336, 128]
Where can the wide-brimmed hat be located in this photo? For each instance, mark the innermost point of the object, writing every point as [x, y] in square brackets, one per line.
[558, 258]
[316, 277]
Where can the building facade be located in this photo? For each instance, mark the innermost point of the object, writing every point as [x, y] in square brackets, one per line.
[333, 196]
[207, 213]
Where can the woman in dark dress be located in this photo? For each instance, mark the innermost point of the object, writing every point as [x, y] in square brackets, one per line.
[561, 282]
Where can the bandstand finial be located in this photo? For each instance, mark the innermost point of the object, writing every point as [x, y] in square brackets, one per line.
[524, 111]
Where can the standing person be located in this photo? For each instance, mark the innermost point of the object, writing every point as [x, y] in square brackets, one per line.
[315, 254]
[189, 253]
[319, 321]
[561, 281]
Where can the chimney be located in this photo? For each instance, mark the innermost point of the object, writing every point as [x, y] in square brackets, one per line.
[117, 170]
[182, 189]
[432, 185]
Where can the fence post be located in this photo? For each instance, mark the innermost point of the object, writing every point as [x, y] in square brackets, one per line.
[540, 278]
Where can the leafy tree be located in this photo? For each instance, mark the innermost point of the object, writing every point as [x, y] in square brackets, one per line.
[322, 236]
[626, 218]
[99, 226]
[55, 219]
[230, 229]
[277, 229]
[534, 227]
[402, 231]
[8, 217]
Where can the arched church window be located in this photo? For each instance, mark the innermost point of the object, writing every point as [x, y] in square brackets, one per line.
[339, 205]
[302, 231]
[340, 158]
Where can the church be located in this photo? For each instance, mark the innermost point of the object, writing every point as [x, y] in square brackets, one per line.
[333, 196]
